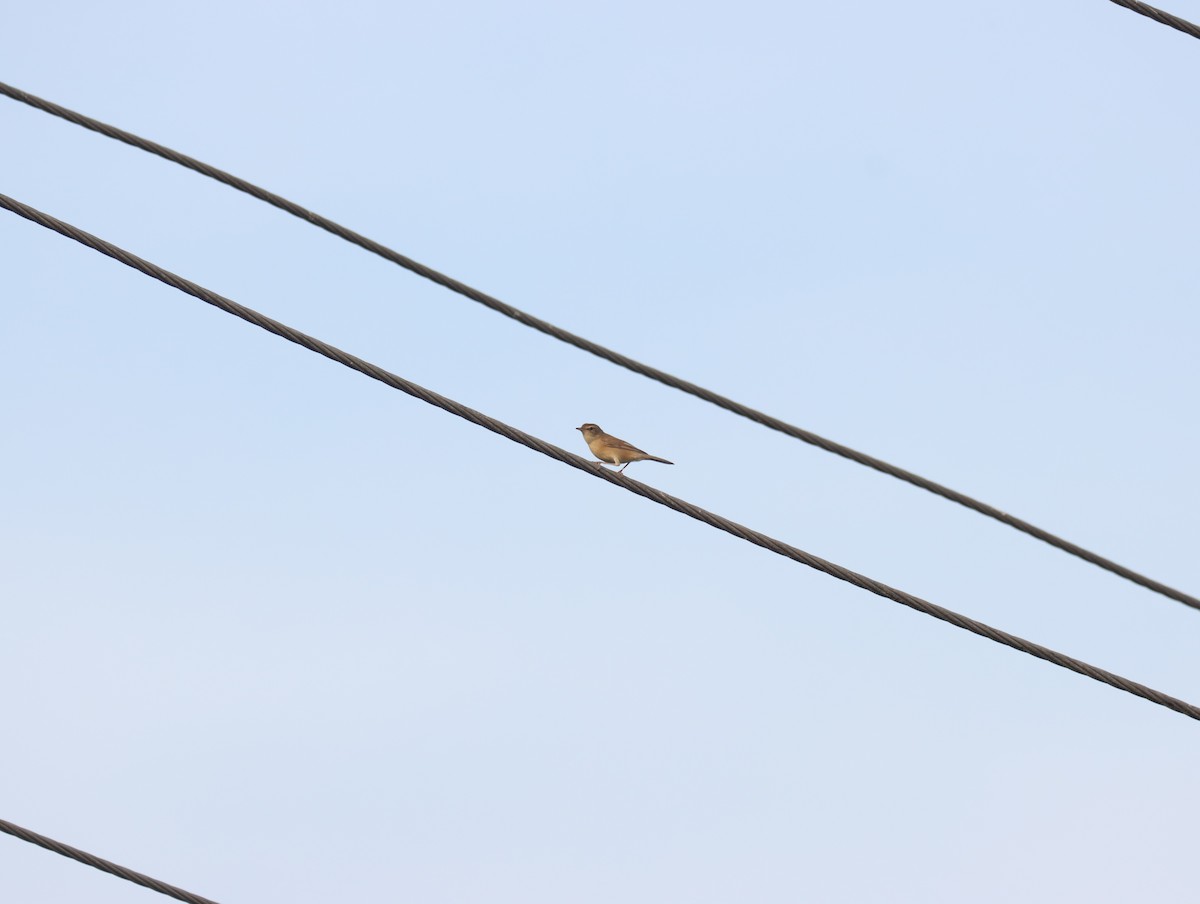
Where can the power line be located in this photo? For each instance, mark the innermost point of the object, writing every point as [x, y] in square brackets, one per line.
[582, 464]
[1158, 15]
[595, 348]
[99, 863]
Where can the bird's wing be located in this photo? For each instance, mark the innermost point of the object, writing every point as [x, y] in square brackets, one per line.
[621, 444]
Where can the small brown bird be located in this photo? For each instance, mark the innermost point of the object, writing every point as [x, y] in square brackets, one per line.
[613, 451]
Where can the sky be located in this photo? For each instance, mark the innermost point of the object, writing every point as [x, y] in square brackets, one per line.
[273, 631]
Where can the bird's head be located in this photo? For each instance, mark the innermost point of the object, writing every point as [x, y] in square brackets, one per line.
[589, 430]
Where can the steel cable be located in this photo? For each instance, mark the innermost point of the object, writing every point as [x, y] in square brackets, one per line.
[582, 464]
[99, 863]
[1158, 15]
[599, 350]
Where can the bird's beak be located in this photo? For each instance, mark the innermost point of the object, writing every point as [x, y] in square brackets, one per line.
[579, 428]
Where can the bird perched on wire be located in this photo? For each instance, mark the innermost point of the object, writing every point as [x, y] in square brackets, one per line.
[613, 451]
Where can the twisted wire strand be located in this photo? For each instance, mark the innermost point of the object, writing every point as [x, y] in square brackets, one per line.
[598, 350]
[1159, 15]
[538, 445]
[99, 863]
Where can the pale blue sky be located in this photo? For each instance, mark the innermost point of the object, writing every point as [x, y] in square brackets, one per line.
[276, 632]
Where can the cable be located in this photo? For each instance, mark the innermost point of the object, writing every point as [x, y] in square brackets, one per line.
[582, 464]
[1158, 15]
[595, 348]
[120, 872]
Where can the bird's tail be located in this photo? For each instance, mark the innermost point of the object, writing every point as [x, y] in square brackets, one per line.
[656, 458]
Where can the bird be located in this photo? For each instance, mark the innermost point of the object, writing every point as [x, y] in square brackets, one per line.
[613, 451]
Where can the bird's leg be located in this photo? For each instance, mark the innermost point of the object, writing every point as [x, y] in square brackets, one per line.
[623, 467]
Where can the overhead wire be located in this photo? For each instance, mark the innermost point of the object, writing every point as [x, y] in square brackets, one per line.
[1160, 15]
[538, 445]
[121, 872]
[595, 348]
